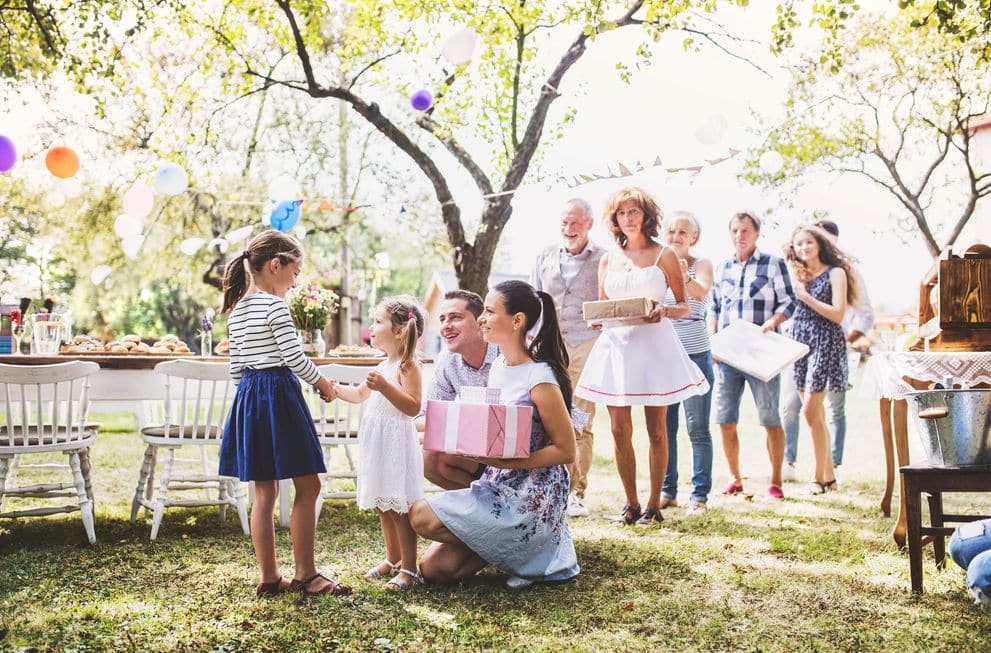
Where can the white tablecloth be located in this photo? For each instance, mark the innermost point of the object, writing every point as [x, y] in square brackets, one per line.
[884, 372]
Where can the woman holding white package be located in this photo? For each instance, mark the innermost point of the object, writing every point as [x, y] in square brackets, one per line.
[640, 364]
[514, 516]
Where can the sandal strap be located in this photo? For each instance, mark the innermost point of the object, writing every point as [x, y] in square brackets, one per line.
[335, 587]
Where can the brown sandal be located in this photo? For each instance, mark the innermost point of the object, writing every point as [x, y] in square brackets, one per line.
[334, 588]
[272, 589]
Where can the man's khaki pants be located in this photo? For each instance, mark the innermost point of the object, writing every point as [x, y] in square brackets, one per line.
[583, 450]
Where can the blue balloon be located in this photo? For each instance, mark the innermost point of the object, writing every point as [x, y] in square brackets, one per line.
[286, 214]
[171, 179]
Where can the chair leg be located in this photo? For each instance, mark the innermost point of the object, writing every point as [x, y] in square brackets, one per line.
[237, 489]
[936, 519]
[143, 475]
[150, 488]
[163, 487]
[222, 490]
[87, 468]
[85, 505]
[15, 463]
[5, 465]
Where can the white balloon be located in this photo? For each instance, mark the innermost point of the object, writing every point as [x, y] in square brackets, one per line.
[459, 46]
[300, 231]
[220, 244]
[99, 274]
[55, 199]
[132, 245]
[126, 226]
[191, 245]
[771, 162]
[139, 201]
[284, 188]
[71, 187]
[238, 235]
[712, 130]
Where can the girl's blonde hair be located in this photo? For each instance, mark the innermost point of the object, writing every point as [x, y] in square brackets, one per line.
[404, 312]
[263, 248]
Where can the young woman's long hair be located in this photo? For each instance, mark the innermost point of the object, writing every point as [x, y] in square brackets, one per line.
[548, 345]
[829, 254]
[652, 213]
[404, 312]
[263, 248]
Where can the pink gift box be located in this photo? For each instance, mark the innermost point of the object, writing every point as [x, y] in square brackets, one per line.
[487, 430]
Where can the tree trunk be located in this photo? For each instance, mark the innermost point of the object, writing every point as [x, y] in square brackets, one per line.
[473, 263]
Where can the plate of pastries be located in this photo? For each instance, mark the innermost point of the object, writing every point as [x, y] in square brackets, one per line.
[169, 345]
[355, 351]
[223, 347]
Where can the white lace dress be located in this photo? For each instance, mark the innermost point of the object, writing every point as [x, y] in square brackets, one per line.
[390, 464]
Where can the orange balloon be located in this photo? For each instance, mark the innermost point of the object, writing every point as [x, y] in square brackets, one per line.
[62, 162]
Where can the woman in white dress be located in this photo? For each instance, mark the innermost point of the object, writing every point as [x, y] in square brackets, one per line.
[643, 363]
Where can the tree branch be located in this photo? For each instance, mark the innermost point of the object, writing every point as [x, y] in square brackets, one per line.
[454, 147]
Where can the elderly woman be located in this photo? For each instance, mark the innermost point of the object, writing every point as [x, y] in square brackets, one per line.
[513, 517]
[640, 364]
[681, 234]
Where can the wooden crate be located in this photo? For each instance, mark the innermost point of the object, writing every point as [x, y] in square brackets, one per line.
[955, 304]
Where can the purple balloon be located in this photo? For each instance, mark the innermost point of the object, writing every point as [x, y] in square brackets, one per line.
[421, 100]
[8, 154]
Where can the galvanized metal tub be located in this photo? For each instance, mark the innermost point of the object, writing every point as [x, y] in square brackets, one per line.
[955, 425]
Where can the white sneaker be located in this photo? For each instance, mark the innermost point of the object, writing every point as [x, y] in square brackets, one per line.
[667, 502]
[576, 507]
[696, 508]
[789, 473]
[518, 583]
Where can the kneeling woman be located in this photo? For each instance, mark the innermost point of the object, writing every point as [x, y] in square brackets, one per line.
[513, 517]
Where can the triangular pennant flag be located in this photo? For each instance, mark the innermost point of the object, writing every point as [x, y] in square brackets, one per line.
[657, 162]
[673, 169]
[694, 169]
[587, 178]
[733, 152]
[713, 162]
[325, 205]
[624, 171]
[639, 167]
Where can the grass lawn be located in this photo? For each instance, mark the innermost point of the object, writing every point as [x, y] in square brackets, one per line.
[804, 574]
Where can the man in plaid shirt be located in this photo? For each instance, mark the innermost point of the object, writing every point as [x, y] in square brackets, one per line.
[755, 287]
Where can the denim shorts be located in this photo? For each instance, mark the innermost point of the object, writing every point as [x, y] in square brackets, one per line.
[729, 392]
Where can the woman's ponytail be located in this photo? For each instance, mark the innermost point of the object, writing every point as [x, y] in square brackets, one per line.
[548, 346]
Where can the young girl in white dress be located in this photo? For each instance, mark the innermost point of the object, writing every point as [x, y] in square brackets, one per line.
[390, 465]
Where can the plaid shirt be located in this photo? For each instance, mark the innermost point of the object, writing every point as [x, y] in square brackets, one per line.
[753, 291]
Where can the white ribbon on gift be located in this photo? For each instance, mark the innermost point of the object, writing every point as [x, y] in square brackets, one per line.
[453, 421]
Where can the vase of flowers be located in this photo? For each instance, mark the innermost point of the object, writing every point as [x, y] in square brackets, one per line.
[311, 306]
[206, 333]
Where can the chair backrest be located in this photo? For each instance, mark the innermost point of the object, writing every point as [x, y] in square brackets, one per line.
[45, 404]
[337, 419]
[198, 395]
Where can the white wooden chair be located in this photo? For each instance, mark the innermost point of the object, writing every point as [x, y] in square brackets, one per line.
[45, 409]
[198, 395]
[337, 428]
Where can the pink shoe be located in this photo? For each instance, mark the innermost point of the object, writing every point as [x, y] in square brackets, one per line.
[733, 488]
[775, 492]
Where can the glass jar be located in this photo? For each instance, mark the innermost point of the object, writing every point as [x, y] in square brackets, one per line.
[313, 342]
[206, 343]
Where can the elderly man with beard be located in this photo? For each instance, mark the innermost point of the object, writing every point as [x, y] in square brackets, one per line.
[568, 272]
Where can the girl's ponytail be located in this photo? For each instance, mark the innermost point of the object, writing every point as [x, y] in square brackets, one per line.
[406, 314]
[235, 281]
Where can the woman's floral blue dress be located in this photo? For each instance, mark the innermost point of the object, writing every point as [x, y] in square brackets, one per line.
[516, 518]
[825, 366]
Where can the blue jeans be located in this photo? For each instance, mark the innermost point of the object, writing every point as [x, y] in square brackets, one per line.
[697, 420]
[970, 547]
[791, 414]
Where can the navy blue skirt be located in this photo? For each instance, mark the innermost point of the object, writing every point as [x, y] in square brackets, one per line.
[269, 434]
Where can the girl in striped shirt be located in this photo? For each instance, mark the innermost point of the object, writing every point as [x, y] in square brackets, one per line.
[269, 434]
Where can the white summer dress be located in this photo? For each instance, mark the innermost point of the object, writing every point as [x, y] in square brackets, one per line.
[642, 364]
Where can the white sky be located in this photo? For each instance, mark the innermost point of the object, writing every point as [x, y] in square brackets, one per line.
[657, 114]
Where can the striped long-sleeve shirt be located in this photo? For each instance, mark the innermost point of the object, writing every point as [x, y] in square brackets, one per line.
[263, 335]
